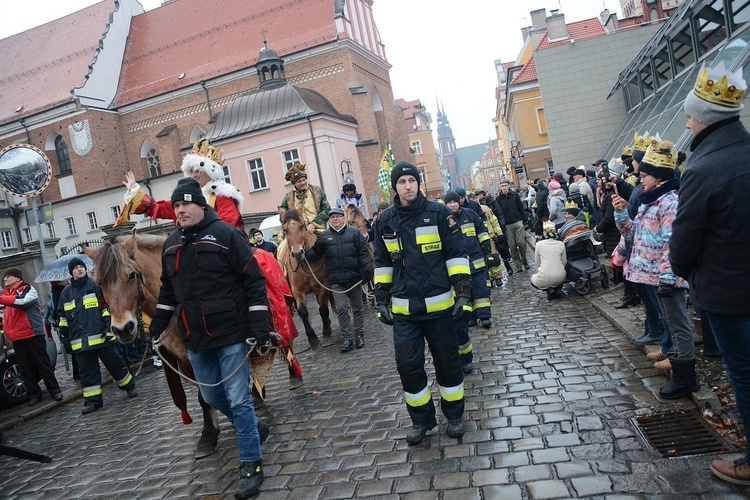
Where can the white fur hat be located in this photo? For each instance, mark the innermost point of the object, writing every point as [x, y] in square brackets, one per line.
[196, 163]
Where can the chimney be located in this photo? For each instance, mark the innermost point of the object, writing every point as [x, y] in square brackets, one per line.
[538, 19]
[556, 28]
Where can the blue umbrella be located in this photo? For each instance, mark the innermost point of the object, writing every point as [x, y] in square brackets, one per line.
[58, 269]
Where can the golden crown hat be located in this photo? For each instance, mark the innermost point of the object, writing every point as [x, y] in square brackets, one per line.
[717, 86]
[627, 151]
[641, 143]
[202, 147]
[661, 159]
[570, 204]
[296, 172]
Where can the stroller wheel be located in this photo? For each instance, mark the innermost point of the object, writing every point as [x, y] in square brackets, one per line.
[604, 278]
[583, 286]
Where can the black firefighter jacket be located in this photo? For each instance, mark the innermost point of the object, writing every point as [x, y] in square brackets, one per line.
[84, 317]
[418, 250]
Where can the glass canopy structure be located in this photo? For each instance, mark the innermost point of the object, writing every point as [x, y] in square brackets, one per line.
[656, 82]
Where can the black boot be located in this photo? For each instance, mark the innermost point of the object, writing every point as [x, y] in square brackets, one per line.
[360, 342]
[508, 266]
[251, 477]
[630, 298]
[684, 379]
[347, 345]
[418, 432]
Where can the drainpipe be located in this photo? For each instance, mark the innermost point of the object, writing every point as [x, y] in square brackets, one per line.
[208, 101]
[315, 150]
[28, 136]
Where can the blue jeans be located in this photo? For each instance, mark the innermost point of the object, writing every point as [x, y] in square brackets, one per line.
[651, 306]
[674, 309]
[732, 335]
[232, 398]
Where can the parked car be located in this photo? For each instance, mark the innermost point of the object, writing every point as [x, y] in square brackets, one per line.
[12, 389]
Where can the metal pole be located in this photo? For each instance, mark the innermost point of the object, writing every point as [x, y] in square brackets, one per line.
[35, 208]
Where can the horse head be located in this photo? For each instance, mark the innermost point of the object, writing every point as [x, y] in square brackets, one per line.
[128, 270]
[295, 232]
[356, 218]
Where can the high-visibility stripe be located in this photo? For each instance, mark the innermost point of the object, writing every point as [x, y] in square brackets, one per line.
[481, 302]
[420, 398]
[427, 234]
[482, 237]
[257, 308]
[94, 390]
[455, 393]
[439, 302]
[465, 348]
[479, 263]
[459, 265]
[469, 229]
[105, 313]
[391, 244]
[96, 340]
[383, 275]
[400, 306]
[165, 307]
[76, 344]
[125, 380]
[90, 301]
[63, 322]
[69, 306]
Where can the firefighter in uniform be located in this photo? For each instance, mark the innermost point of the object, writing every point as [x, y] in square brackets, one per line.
[479, 249]
[85, 322]
[419, 255]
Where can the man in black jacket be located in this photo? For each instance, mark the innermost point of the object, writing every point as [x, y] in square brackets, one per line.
[214, 286]
[709, 245]
[348, 265]
[501, 241]
[515, 220]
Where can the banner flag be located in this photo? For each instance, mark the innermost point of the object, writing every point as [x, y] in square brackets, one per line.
[384, 174]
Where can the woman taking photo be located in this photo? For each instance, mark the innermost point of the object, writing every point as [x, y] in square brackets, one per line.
[649, 260]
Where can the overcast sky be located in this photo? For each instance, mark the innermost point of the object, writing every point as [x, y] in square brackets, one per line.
[440, 49]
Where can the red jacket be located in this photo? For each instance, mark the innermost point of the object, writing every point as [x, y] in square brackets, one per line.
[22, 318]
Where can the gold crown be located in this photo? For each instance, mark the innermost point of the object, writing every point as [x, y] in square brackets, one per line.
[641, 143]
[202, 147]
[570, 204]
[660, 155]
[720, 87]
[627, 151]
[296, 172]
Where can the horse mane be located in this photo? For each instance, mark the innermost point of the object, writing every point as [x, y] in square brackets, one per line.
[354, 211]
[111, 258]
[292, 215]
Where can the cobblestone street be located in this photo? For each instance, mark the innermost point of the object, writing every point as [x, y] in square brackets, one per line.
[548, 410]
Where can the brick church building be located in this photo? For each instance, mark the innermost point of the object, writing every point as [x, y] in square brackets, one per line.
[112, 88]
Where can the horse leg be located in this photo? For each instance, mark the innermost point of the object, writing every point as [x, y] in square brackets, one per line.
[325, 314]
[305, 317]
[210, 434]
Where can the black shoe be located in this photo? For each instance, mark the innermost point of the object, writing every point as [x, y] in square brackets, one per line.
[455, 429]
[418, 432]
[132, 393]
[627, 302]
[526, 266]
[467, 368]
[251, 477]
[648, 340]
[360, 342]
[485, 323]
[263, 431]
[90, 407]
[472, 322]
[347, 345]
[508, 267]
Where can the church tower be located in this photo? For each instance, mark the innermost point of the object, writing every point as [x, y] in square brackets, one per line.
[446, 144]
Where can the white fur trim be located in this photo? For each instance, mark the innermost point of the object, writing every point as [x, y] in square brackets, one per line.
[193, 162]
[222, 188]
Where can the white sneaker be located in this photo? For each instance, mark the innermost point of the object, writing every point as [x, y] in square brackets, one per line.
[157, 361]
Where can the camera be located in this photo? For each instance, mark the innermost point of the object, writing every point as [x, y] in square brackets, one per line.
[605, 172]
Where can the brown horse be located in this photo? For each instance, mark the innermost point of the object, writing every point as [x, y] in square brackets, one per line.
[305, 277]
[128, 271]
[356, 218]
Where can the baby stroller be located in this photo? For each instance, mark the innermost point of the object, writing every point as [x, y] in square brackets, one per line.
[583, 263]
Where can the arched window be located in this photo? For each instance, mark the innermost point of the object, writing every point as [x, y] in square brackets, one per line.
[63, 158]
[154, 164]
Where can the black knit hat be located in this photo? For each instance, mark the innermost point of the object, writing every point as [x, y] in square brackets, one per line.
[403, 168]
[451, 196]
[189, 190]
[75, 262]
[255, 230]
[14, 272]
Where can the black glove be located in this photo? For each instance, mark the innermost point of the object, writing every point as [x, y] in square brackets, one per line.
[462, 308]
[299, 256]
[664, 290]
[492, 260]
[261, 338]
[486, 247]
[383, 300]
[365, 277]
[501, 241]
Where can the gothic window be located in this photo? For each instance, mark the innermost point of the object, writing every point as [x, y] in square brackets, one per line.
[154, 164]
[63, 158]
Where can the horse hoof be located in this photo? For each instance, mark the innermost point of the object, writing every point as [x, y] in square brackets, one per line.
[314, 342]
[295, 383]
[205, 448]
[327, 340]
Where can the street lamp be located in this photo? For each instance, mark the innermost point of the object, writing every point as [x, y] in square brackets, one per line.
[518, 162]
